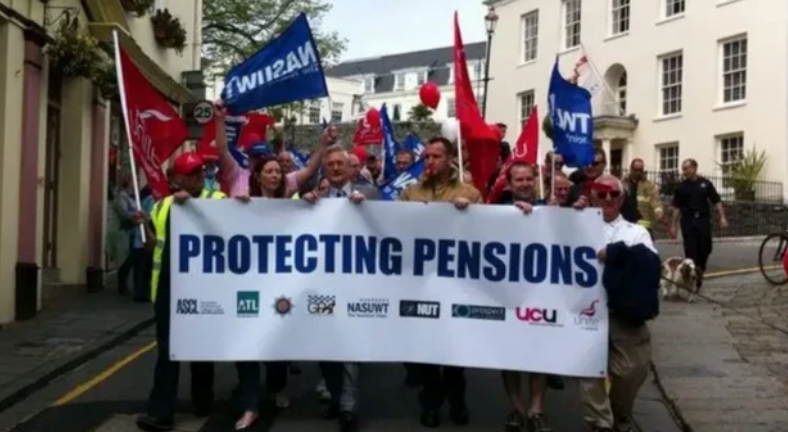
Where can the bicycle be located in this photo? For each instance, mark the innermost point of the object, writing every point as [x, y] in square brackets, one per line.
[771, 263]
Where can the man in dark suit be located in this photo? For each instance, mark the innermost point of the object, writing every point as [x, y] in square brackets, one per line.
[342, 379]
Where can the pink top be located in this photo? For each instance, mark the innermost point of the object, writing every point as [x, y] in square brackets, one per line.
[238, 180]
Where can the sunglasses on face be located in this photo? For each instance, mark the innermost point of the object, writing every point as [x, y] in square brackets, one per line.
[603, 195]
[598, 163]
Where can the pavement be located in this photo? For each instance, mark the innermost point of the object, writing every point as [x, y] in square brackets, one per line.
[85, 364]
[723, 363]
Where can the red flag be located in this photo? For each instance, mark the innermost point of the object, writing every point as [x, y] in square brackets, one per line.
[526, 150]
[482, 143]
[155, 127]
[255, 127]
[366, 134]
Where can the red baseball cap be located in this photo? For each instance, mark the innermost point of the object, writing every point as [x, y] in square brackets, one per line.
[187, 163]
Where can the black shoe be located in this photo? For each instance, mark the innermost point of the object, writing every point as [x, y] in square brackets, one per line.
[331, 413]
[203, 410]
[154, 424]
[514, 422]
[537, 422]
[141, 300]
[459, 415]
[430, 419]
[348, 422]
[555, 382]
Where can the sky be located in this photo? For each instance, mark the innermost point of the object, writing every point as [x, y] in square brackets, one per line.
[382, 27]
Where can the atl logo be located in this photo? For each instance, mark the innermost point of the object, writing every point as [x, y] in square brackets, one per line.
[537, 316]
[248, 303]
[419, 309]
[187, 307]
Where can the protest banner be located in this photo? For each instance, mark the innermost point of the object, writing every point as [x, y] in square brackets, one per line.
[389, 282]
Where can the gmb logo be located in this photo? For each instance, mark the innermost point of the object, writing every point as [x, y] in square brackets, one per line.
[187, 307]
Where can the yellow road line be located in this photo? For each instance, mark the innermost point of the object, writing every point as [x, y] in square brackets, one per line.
[103, 376]
[738, 271]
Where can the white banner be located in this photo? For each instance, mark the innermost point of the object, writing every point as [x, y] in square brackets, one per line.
[389, 282]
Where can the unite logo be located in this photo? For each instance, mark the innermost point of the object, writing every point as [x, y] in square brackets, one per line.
[538, 316]
[139, 130]
[587, 319]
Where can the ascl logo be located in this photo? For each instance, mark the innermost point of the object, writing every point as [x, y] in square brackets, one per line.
[587, 319]
[538, 316]
[187, 307]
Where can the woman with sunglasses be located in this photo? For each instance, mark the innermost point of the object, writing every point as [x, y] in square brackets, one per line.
[266, 180]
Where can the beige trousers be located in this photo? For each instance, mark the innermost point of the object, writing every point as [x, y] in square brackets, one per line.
[628, 363]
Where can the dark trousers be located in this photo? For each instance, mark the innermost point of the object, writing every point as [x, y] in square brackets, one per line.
[333, 374]
[248, 385]
[441, 383]
[138, 262]
[276, 376]
[164, 394]
[697, 240]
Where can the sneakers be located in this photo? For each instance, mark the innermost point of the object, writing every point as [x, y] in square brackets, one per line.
[514, 422]
[322, 392]
[154, 424]
[537, 422]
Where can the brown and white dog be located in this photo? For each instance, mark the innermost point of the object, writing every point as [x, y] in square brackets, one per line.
[682, 279]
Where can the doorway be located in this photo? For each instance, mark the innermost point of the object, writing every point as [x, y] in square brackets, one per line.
[51, 173]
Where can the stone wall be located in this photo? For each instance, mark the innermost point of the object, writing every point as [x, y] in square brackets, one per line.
[306, 136]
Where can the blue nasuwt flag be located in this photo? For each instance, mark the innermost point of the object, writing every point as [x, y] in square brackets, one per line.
[391, 190]
[573, 122]
[233, 126]
[300, 159]
[390, 145]
[288, 69]
[413, 143]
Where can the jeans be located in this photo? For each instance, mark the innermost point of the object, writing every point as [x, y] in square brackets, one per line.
[138, 261]
[248, 385]
[163, 395]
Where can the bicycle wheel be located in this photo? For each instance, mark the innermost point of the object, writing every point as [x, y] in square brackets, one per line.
[770, 258]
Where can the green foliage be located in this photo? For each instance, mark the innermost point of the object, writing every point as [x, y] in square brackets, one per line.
[137, 7]
[168, 30]
[420, 113]
[232, 30]
[73, 52]
[547, 126]
[745, 172]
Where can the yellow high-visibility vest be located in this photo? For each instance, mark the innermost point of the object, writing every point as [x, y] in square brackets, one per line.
[159, 218]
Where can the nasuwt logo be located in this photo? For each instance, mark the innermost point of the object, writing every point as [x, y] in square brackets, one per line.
[538, 316]
[491, 313]
[321, 304]
[248, 303]
[419, 309]
[368, 308]
[298, 61]
[587, 318]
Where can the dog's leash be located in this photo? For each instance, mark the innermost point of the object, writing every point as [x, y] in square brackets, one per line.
[723, 305]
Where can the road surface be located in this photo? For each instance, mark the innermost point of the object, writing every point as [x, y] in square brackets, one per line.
[107, 393]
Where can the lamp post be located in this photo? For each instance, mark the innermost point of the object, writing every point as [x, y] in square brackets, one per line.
[490, 20]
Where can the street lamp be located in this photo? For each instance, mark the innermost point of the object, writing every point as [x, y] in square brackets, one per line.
[490, 20]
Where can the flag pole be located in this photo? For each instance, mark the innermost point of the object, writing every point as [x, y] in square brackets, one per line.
[459, 152]
[124, 107]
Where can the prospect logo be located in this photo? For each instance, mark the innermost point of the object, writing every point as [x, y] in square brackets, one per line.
[419, 309]
[248, 303]
[490, 313]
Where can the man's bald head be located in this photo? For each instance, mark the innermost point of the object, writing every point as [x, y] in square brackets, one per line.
[608, 194]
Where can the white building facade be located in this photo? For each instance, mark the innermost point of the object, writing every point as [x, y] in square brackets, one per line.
[678, 79]
[395, 79]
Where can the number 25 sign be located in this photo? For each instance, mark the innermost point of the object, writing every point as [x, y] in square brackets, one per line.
[203, 112]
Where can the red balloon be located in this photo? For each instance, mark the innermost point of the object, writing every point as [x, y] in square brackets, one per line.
[430, 94]
[373, 118]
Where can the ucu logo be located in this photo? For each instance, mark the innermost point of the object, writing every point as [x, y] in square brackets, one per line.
[538, 316]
